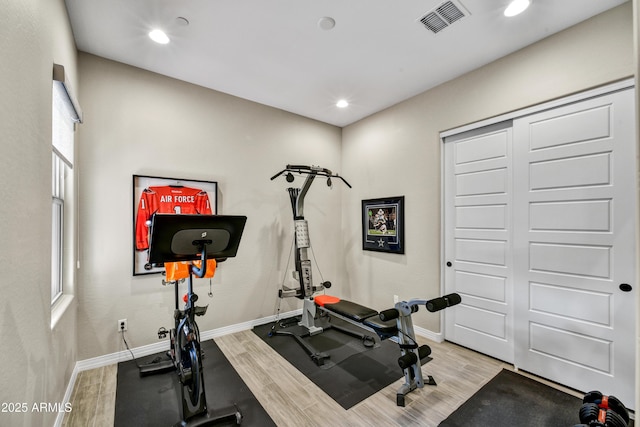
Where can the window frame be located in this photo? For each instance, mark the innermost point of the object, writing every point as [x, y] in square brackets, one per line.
[57, 249]
[65, 115]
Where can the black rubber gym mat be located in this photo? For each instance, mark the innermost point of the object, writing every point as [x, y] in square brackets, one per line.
[355, 372]
[511, 399]
[155, 400]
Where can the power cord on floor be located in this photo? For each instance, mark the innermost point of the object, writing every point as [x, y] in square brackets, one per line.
[279, 299]
[127, 345]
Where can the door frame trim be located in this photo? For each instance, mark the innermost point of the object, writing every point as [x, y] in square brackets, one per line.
[547, 105]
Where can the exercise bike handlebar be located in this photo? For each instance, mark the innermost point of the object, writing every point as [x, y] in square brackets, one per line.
[202, 247]
[310, 170]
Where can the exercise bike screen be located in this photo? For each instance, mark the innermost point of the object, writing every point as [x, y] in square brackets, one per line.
[180, 237]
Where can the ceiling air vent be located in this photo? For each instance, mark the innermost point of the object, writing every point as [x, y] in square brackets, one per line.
[433, 22]
[442, 16]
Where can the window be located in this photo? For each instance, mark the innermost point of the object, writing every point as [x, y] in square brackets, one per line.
[65, 115]
[57, 227]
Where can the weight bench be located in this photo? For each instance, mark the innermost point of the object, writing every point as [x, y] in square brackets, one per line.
[360, 315]
[394, 324]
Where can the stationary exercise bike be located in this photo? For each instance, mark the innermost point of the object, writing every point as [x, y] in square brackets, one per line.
[176, 238]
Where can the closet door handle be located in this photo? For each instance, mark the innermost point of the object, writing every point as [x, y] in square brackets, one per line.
[449, 264]
[625, 287]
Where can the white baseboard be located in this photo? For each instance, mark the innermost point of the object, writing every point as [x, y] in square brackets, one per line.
[146, 350]
[433, 336]
[67, 396]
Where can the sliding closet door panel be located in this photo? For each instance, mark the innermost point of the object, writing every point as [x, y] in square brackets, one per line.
[574, 244]
[477, 240]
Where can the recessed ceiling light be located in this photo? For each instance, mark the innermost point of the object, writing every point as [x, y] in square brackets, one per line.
[342, 103]
[516, 7]
[159, 36]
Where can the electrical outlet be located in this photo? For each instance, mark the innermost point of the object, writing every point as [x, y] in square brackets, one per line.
[395, 299]
[122, 325]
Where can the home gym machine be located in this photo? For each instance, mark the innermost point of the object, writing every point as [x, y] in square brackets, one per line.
[179, 238]
[395, 323]
[303, 269]
[302, 273]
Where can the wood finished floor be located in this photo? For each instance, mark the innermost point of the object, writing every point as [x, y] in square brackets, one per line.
[291, 399]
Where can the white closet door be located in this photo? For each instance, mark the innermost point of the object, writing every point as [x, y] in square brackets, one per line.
[477, 240]
[574, 244]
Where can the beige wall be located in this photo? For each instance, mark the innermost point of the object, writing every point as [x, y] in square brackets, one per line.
[36, 361]
[141, 123]
[397, 151]
[137, 122]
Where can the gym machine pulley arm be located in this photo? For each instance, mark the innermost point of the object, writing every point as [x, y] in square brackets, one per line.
[309, 170]
[302, 274]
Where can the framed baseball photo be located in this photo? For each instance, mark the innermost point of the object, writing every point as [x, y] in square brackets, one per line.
[383, 225]
[152, 194]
